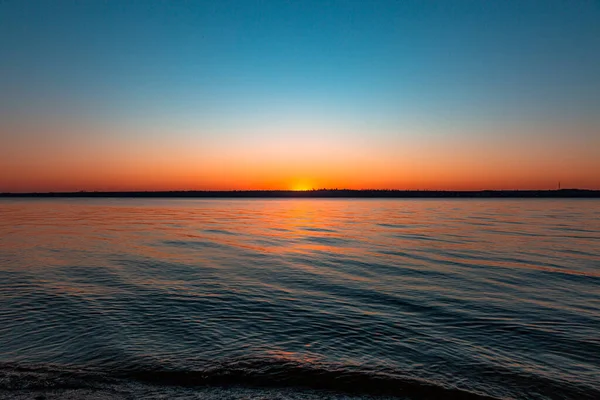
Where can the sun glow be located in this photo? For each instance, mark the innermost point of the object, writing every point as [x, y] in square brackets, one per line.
[301, 187]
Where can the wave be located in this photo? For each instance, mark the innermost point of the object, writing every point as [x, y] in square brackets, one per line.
[240, 373]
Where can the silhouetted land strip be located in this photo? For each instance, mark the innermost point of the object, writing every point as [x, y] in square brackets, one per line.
[328, 193]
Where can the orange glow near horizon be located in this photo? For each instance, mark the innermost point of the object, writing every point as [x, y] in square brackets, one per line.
[64, 160]
[63, 180]
[72, 175]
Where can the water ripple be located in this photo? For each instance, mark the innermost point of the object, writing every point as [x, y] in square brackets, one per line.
[412, 298]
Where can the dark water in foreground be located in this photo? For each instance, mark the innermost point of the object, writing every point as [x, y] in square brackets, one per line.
[300, 299]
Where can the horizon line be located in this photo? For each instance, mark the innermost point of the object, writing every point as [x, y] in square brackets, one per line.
[316, 193]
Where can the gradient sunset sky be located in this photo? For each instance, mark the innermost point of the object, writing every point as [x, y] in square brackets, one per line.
[163, 95]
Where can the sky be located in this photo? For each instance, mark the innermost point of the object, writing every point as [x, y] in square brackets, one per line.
[248, 94]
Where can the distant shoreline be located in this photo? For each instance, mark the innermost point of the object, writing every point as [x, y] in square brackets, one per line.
[322, 193]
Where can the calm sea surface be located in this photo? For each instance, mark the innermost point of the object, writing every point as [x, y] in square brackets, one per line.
[210, 298]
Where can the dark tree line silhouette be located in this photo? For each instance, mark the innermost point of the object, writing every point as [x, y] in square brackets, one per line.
[327, 193]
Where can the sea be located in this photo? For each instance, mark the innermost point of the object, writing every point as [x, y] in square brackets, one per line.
[299, 298]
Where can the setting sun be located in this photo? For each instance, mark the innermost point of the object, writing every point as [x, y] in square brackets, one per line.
[301, 186]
